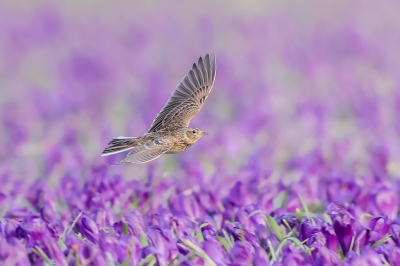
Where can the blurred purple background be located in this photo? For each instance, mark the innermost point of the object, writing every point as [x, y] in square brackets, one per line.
[302, 89]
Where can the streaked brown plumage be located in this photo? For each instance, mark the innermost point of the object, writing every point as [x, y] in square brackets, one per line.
[170, 132]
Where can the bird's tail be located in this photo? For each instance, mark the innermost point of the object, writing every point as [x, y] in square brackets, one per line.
[118, 145]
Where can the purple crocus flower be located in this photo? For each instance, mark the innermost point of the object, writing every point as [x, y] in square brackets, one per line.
[37, 228]
[108, 243]
[162, 241]
[343, 224]
[13, 253]
[21, 233]
[39, 194]
[292, 221]
[135, 224]
[9, 228]
[363, 237]
[234, 230]
[242, 217]
[307, 230]
[257, 218]
[47, 214]
[380, 225]
[73, 245]
[330, 236]
[214, 250]
[182, 250]
[378, 228]
[2, 229]
[189, 206]
[292, 256]
[93, 254]
[263, 236]
[176, 220]
[150, 250]
[395, 234]
[338, 189]
[102, 216]
[53, 250]
[260, 257]
[88, 228]
[17, 213]
[314, 235]
[368, 258]
[317, 240]
[71, 240]
[241, 252]
[387, 202]
[394, 256]
[207, 201]
[128, 246]
[238, 195]
[3, 198]
[385, 249]
[210, 229]
[324, 256]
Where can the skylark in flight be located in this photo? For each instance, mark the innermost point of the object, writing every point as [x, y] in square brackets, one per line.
[170, 132]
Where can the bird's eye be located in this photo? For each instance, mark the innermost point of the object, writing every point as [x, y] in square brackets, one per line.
[194, 131]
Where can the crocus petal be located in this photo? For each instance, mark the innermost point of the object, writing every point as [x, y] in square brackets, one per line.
[343, 224]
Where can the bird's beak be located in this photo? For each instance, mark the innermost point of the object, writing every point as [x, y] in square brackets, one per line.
[204, 133]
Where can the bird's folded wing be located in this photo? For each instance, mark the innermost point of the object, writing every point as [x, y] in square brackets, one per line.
[188, 97]
[148, 152]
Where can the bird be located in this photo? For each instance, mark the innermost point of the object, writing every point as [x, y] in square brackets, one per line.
[170, 132]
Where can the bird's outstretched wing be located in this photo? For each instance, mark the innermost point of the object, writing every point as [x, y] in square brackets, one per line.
[188, 97]
[149, 151]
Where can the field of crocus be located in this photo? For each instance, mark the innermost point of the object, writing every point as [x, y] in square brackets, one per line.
[301, 165]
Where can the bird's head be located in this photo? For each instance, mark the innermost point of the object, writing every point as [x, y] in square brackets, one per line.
[195, 134]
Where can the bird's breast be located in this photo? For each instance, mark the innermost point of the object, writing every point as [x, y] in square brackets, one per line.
[179, 146]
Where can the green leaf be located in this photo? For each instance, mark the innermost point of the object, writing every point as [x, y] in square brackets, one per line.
[267, 225]
[77, 263]
[73, 223]
[271, 248]
[3, 212]
[303, 214]
[172, 261]
[280, 246]
[327, 218]
[61, 240]
[298, 242]
[288, 226]
[109, 259]
[254, 212]
[223, 242]
[304, 241]
[143, 241]
[199, 252]
[285, 196]
[382, 240]
[352, 243]
[129, 252]
[275, 227]
[227, 238]
[38, 251]
[306, 210]
[200, 236]
[241, 234]
[385, 262]
[124, 228]
[150, 260]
